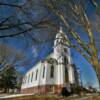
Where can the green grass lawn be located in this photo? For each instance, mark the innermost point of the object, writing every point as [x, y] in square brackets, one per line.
[96, 98]
[49, 98]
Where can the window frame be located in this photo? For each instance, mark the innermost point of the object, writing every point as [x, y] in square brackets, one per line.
[36, 74]
[52, 71]
[28, 78]
[32, 76]
[43, 72]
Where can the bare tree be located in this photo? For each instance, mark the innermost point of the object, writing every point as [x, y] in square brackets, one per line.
[72, 13]
[76, 14]
[97, 6]
[10, 57]
[23, 23]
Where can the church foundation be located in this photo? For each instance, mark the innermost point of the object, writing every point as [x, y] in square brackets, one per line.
[55, 89]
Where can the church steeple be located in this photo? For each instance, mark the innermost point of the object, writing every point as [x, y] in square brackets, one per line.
[60, 47]
[60, 43]
[61, 29]
[60, 37]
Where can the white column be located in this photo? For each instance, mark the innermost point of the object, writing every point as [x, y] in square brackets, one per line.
[71, 74]
[58, 74]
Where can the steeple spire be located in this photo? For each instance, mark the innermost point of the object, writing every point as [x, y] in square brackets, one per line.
[61, 29]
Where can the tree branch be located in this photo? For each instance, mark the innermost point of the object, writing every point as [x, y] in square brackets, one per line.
[10, 5]
[13, 35]
[74, 34]
[5, 20]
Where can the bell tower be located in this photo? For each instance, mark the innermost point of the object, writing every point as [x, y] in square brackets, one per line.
[63, 56]
[61, 50]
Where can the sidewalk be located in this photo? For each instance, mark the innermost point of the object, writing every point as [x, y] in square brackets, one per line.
[5, 96]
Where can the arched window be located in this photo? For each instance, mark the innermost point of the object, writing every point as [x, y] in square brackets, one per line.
[36, 74]
[66, 74]
[43, 71]
[66, 70]
[25, 79]
[52, 71]
[32, 77]
[28, 78]
[65, 50]
[65, 60]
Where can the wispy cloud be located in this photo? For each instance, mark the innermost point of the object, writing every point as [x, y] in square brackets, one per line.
[34, 51]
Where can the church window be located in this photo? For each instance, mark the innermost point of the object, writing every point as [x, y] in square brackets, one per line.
[25, 79]
[65, 60]
[36, 74]
[52, 71]
[65, 50]
[43, 71]
[66, 74]
[28, 78]
[66, 71]
[32, 77]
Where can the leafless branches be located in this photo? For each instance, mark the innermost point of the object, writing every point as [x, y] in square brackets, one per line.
[9, 57]
[33, 15]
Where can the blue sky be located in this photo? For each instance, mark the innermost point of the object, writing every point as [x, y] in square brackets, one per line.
[35, 53]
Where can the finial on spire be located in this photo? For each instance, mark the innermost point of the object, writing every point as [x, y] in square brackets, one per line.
[61, 30]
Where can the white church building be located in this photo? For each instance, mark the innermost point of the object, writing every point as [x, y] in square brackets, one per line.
[54, 73]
